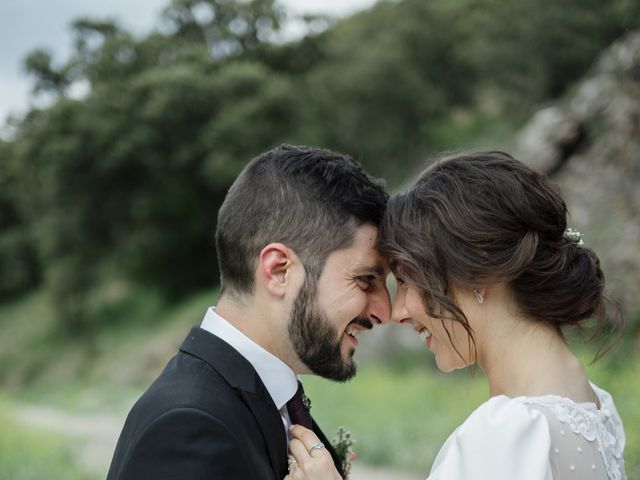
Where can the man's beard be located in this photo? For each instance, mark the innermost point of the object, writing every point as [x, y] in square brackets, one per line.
[316, 340]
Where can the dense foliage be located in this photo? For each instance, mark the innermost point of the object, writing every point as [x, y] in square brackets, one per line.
[121, 186]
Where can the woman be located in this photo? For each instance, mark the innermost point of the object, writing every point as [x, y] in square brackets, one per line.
[489, 274]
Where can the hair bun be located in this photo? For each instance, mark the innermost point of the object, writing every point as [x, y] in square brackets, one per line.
[563, 286]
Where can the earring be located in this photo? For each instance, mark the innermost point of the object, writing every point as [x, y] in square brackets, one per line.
[479, 296]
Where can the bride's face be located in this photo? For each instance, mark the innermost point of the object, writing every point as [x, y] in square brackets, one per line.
[447, 339]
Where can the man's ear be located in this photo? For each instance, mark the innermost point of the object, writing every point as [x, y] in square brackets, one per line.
[274, 266]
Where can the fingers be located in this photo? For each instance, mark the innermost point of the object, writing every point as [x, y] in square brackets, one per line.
[298, 451]
[311, 461]
[305, 444]
[306, 436]
[295, 473]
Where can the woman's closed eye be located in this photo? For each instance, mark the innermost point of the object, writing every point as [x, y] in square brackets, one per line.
[401, 282]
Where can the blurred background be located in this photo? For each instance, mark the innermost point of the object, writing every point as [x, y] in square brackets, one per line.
[123, 124]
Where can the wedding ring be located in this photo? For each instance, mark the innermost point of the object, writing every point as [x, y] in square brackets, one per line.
[316, 446]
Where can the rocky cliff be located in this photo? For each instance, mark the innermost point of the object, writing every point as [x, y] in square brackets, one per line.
[589, 143]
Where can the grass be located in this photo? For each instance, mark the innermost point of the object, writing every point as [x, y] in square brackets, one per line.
[102, 370]
[398, 416]
[33, 455]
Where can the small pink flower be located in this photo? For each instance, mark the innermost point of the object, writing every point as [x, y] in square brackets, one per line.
[342, 443]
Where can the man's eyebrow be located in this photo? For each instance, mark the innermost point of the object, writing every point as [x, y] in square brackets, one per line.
[375, 270]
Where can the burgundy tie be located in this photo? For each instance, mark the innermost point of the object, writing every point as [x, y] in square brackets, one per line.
[298, 408]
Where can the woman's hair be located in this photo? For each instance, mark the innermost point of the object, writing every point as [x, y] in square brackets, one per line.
[478, 218]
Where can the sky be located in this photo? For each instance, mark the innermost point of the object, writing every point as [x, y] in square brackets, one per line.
[29, 24]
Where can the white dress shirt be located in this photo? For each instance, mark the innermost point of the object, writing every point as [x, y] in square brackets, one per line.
[277, 376]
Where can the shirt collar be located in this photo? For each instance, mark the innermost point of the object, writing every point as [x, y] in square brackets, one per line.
[277, 376]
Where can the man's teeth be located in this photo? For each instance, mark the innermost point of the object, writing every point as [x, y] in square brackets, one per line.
[354, 332]
[424, 334]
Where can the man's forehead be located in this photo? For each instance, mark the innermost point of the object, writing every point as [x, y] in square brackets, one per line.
[370, 263]
[362, 254]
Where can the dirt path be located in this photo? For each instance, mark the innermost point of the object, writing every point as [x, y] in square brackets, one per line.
[97, 435]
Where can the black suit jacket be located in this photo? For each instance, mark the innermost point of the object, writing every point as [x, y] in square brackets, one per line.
[207, 416]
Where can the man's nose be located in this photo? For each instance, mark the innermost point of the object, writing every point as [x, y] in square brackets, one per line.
[379, 306]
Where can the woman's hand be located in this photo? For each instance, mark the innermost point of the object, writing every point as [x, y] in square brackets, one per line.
[308, 459]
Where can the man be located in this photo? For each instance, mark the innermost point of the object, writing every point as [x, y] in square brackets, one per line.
[300, 279]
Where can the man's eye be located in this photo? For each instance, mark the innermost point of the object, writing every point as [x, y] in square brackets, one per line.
[365, 281]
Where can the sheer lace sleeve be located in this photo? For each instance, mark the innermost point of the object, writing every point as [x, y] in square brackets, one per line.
[501, 440]
[586, 442]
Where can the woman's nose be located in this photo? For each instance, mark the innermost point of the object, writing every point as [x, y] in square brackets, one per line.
[399, 312]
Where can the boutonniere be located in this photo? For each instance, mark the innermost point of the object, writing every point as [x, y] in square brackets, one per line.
[342, 444]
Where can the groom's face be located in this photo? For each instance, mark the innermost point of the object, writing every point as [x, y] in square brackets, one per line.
[349, 297]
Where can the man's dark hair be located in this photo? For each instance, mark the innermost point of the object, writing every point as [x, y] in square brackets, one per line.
[309, 199]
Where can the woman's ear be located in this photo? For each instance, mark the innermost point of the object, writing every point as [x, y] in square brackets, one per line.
[480, 293]
[274, 265]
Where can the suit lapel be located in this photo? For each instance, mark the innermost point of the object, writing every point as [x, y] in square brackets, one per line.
[272, 428]
[241, 376]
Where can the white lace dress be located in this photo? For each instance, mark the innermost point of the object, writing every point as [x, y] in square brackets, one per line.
[535, 438]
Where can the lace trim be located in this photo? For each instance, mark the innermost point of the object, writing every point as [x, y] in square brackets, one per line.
[591, 424]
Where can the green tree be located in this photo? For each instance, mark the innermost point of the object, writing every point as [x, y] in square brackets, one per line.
[533, 50]
[130, 178]
[389, 75]
[226, 28]
[19, 265]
